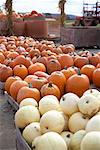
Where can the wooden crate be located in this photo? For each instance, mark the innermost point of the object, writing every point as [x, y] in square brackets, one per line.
[81, 36]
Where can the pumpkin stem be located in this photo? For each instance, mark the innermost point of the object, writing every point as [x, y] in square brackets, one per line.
[93, 54]
[91, 91]
[78, 71]
[30, 85]
[50, 84]
[65, 67]
[68, 135]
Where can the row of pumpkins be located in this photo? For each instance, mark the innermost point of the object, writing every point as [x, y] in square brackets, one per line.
[51, 84]
[32, 15]
[43, 68]
[72, 123]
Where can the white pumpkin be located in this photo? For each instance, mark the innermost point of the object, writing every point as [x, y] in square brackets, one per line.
[93, 92]
[52, 121]
[35, 142]
[50, 141]
[88, 105]
[69, 103]
[26, 115]
[66, 121]
[75, 141]
[66, 135]
[91, 141]
[47, 103]
[31, 132]
[77, 122]
[93, 124]
[28, 101]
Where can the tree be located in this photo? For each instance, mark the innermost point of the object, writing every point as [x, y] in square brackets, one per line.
[62, 9]
[8, 8]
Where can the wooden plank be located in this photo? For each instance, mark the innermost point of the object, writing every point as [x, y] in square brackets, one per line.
[12, 102]
[2, 84]
[21, 144]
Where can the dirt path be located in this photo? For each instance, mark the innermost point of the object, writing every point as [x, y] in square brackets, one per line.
[7, 128]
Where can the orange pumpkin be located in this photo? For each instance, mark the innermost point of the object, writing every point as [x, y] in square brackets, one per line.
[41, 74]
[21, 71]
[50, 89]
[77, 84]
[38, 82]
[68, 72]
[28, 92]
[58, 79]
[36, 67]
[22, 60]
[96, 77]
[94, 59]
[29, 78]
[65, 60]
[5, 72]
[2, 58]
[81, 61]
[33, 52]
[53, 65]
[88, 70]
[9, 81]
[12, 55]
[15, 86]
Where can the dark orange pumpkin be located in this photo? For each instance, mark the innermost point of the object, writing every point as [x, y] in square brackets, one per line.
[96, 77]
[77, 84]
[81, 61]
[94, 59]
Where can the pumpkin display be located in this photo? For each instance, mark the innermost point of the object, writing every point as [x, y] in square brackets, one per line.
[28, 92]
[77, 122]
[50, 141]
[47, 103]
[76, 139]
[69, 103]
[28, 101]
[31, 132]
[78, 84]
[88, 105]
[26, 115]
[91, 141]
[48, 123]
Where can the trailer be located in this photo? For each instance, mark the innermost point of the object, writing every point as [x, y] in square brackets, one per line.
[91, 15]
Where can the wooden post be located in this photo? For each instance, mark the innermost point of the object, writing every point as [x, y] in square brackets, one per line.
[8, 8]
[62, 9]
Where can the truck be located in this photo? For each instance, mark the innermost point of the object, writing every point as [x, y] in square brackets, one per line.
[91, 15]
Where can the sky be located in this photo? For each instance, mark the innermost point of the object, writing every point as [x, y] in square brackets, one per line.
[73, 7]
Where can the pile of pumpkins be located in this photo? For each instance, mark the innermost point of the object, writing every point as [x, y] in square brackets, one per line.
[51, 84]
[42, 68]
[72, 123]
